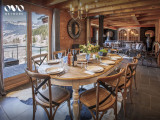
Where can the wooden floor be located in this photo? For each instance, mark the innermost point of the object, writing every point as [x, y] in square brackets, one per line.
[146, 101]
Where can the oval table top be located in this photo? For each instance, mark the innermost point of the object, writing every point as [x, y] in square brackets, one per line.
[78, 73]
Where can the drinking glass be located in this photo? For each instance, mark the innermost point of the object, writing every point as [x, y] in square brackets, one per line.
[59, 55]
[87, 58]
[65, 63]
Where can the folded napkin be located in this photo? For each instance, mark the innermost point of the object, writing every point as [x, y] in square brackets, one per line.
[89, 72]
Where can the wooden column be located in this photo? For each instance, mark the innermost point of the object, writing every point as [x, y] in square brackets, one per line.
[88, 30]
[101, 18]
[157, 26]
[29, 40]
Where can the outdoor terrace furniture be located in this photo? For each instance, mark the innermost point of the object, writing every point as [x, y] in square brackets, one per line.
[100, 99]
[10, 62]
[50, 97]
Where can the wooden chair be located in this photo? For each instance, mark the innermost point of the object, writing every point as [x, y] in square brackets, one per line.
[38, 59]
[51, 97]
[55, 54]
[134, 61]
[77, 49]
[100, 99]
[126, 81]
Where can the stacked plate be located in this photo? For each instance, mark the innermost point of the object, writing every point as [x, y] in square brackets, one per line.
[95, 69]
[115, 57]
[54, 70]
[108, 62]
[53, 61]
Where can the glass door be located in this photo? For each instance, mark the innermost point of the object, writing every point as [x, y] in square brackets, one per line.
[40, 37]
[40, 34]
[14, 44]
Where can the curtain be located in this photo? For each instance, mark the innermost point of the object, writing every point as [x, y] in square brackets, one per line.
[1, 51]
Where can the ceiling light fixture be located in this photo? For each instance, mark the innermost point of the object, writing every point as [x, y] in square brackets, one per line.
[79, 12]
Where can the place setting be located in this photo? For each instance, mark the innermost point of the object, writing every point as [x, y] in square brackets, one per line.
[93, 69]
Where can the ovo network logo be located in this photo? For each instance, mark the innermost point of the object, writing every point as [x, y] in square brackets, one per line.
[14, 9]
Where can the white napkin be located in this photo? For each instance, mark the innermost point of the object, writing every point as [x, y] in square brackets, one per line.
[89, 72]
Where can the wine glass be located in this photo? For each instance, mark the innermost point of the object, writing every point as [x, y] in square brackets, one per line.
[87, 58]
[100, 54]
[65, 62]
[59, 55]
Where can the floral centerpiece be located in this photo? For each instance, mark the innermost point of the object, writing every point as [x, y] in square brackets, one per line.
[103, 52]
[89, 48]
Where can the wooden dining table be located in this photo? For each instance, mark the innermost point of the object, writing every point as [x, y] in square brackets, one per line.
[77, 76]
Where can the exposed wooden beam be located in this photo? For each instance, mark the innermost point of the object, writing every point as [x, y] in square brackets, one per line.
[125, 6]
[148, 22]
[152, 17]
[137, 26]
[129, 10]
[54, 2]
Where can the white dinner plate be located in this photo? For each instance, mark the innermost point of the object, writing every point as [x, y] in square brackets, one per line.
[54, 70]
[115, 57]
[53, 61]
[95, 68]
[109, 62]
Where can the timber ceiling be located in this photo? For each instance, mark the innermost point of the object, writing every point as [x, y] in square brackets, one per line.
[117, 13]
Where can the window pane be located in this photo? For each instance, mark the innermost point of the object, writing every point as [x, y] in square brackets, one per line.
[39, 34]
[14, 43]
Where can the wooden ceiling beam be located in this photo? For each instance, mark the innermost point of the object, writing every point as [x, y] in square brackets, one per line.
[125, 6]
[107, 3]
[151, 17]
[54, 2]
[105, 26]
[137, 26]
[129, 10]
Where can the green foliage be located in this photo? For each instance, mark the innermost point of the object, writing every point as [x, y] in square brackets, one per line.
[34, 39]
[42, 30]
[89, 48]
[103, 50]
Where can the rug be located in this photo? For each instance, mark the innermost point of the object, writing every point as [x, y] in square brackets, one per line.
[22, 94]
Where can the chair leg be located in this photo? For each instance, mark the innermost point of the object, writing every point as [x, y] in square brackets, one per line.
[69, 107]
[124, 106]
[130, 91]
[52, 118]
[80, 107]
[115, 110]
[135, 82]
[34, 111]
[124, 101]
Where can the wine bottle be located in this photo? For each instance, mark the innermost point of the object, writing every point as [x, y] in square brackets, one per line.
[74, 61]
[69, 57]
